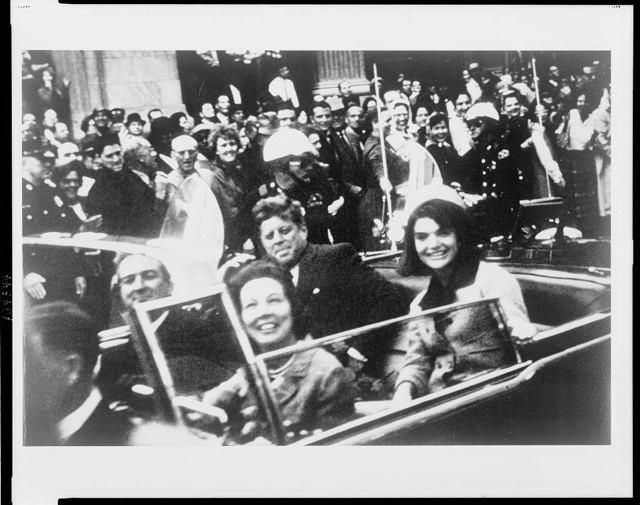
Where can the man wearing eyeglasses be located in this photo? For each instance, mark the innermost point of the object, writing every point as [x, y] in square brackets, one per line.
[184, 149]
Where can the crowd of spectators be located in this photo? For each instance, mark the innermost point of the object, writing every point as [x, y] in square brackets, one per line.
[308, 188]
[558, 145]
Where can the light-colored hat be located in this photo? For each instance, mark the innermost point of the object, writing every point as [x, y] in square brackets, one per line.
[287, 142]
[433, 191]
[482, 110]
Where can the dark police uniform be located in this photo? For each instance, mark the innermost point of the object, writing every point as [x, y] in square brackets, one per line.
[315, 196]
[44, 211]
[492, 173]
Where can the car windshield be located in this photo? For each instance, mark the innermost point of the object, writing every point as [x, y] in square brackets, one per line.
[196, 356]
[190, 347]
[436, 349]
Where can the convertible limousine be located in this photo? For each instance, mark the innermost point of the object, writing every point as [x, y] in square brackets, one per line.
[554, 389]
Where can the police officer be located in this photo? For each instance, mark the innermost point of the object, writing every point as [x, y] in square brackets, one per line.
[491, 173]
[49, 272]
[291, 160]
[42, 209]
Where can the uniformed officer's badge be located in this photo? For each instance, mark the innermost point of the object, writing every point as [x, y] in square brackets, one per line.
[503, 154]
[58, 201]
[315, 200]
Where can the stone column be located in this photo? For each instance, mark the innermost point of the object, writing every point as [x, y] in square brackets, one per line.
[134, 80]
[336, 66]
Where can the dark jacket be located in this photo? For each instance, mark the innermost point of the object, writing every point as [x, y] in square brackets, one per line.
[44, 211]
[337, 292]
[492, 173]
[126, 203]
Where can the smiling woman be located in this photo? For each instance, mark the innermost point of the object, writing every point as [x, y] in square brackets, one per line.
[441, 244]
[229, 185]
[312, 389]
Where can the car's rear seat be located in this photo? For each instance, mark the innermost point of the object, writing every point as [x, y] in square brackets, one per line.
[550, 299]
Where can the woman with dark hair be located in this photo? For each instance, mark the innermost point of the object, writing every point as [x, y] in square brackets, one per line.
[68, 179]
[312, 389]
[181, 123]
[441, 245]
[369, 104]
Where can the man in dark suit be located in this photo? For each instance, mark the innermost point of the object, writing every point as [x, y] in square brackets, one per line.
[335, 291]
[63, 406]
[126, 203]
[345, 170]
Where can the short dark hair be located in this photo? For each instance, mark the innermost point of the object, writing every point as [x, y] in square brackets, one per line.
[318, 105]
[511, 93]
[438, 117]
[60, 172]
[65, 328]
[175, 119]
[365, 102]
[84, 124]
[457, 92]
[107, 139]
[284, 105]
[449, 217]
[278, 206]
[259, 269]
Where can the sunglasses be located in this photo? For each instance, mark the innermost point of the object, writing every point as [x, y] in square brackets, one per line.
[476, 123]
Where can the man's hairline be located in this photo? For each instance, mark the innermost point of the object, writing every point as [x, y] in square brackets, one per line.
[159, 267]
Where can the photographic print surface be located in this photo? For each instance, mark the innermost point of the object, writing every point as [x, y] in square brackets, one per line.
[142, 159]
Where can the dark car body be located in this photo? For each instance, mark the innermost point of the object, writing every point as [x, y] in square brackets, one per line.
[553, 389]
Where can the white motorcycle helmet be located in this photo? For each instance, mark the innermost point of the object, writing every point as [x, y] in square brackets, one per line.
[286, 143]
[482, 110]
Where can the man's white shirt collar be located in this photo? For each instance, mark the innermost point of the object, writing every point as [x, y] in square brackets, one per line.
[295, 272]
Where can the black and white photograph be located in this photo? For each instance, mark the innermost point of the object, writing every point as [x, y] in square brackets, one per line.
[320, 251]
